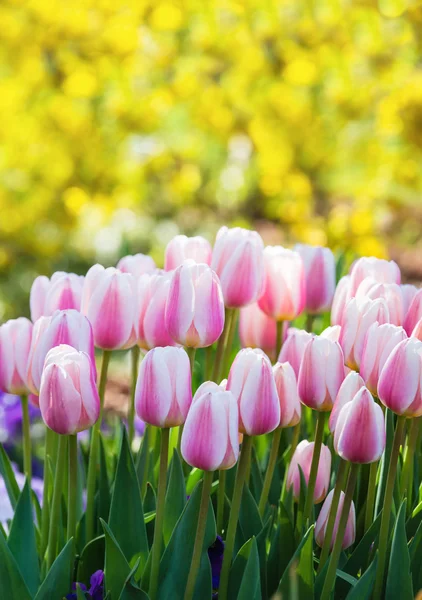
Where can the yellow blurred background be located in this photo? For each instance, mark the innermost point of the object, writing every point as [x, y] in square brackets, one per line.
[126, 122]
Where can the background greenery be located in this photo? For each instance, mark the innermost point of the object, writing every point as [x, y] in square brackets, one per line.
[125, 122]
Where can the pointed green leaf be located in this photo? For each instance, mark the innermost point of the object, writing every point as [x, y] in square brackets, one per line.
[415, 552]
[363, 588]
[244, 582]
[59, 578]
[175, 496]
[91, 559]
[299, 572]
[359, 556]
[12, 584]
[399, 579]
[8, 475]
[131, 591]
[104, 500]
[117, 568]
[142, 460]
[256, 477]
[80, 595]
[281, 551]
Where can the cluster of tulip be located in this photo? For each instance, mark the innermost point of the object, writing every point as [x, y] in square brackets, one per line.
[365, 371]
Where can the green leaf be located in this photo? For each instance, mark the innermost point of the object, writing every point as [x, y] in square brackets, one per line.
[104, 500]
[59, 578]
[359, 558]
[244, 582]
[149, 504]
[415, 552]
[281, 550]
[12, 584]
[385, 460]
[256, 477]
[299, 572]
[399, 579]
[117, 569]
[175, 496]
[363, 588]
[131, 591]
[126, 519]
[80, 594]
[194, 478]
[8, 475]
[22, 541]
[91, 559]
[142, 459]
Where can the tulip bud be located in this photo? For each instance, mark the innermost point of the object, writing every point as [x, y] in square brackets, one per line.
[342, 296]
[151, 329]
[408, 292]
[320, 274]
[322, 522]
[67, 327]
[182, 248]
[15, 342]
[252, 383]
[399, 384]
[284, 293]
[256, 330]
[302, 458]
[62, 291]
[380, 341]
[209, 386]
[392, 295]
[358, 316]
[210, 435]
[352, 383]
[321, 373]
[109, 303]
[195, 307]
[359, 436]
[69, 400]
[383, 271]
[294, 347]
[286, 384]
[414, 313]
[238, 260]
[163, 392]
[136, 264]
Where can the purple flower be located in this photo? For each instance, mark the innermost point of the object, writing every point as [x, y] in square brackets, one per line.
[11, 416]
[215, 554]
[95, 592]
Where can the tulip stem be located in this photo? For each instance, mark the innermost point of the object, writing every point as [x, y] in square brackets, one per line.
[370, 496]
[234, 515]
[200, 533]
[310, 319]
[295, 439]
[191, 353]
[222, 344]
[26, 436]
[93, 454]
[131, 413]
[386, 509]
[279, 339]
[72, 486]
[229, 341]
[314, 467]
[270, 470]
[56, 502]
[332, 567]
[328, 535]
[48, 454]
[406, 482]
[220, 500]
[159, 515]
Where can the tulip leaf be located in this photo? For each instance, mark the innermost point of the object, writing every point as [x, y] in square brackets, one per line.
[385, 460]
[175, 496]
[299, 573]
[117, 569]
[23, 528]
[256, 477]
[281, 550]
[142, 460]
[250, 522]
[359, 556]
[193, 478]
[12, 584]
[8, 475]
[415, 552]
[126, 519]
[59, 578]
[399, 579]
[104, 500]
[91, 559]
[363, 588]
[244, 582]
[131, 591]
[149, 505]
[80, 594]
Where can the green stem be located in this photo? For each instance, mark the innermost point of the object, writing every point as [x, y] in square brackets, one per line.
[279, 339]
[314, 467]
[48, 454]
[370, 496]
[72, 486]
[200, 533]
[332, 567]
[145, 440]
[191, 353]
[234, 515]
[309, 322]
[26, 435]
[340, 481]
[159, 516]
[270, 470]
[295, 439]
[93, 454]
[131, 413]
[411, 470]
[229, 341]
[408, 458]
[220, 500]
[221, 344]
[56, 501]
[386, 510]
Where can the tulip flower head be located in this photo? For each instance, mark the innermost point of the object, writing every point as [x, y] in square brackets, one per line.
[238, 260]
[342, 295]
[408, 292]
[286, 384]
[182, 248]
[414, 313]
[151, 300]
[62, 291]
[15, 343]
[383, 271]
[257, 330]
[302, 458]
[136, 265]
[68, 400]
[320, 274]
[391, 293]
[352, 383]
[322, 522]
[294, 347]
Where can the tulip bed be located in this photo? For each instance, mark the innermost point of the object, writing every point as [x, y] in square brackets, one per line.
[280, 456]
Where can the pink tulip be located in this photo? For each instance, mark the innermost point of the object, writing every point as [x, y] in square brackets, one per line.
[321, 373]
[15, 342]
[210, 435]
[322, 522]
[359, 436]
[414, 313]
[391, 293]
[302, 458]
[320, 273]
[67, 327]
[195, 306]
[358, 316]
[151, 329]
[109, 299]
[380, 341]
[256, 330]
[163, 392]
[381, 270]
[408, 292]
[331, 333]
[352, 383]
[400, 381]
[68, 399]
[342, 296]
[136, 264]
[182, 248]
[286, 384]
[294, 347]
[62, 291]
[284, 293]
[238, 260]
[209, 386]
[417, 331]
[252, 383]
